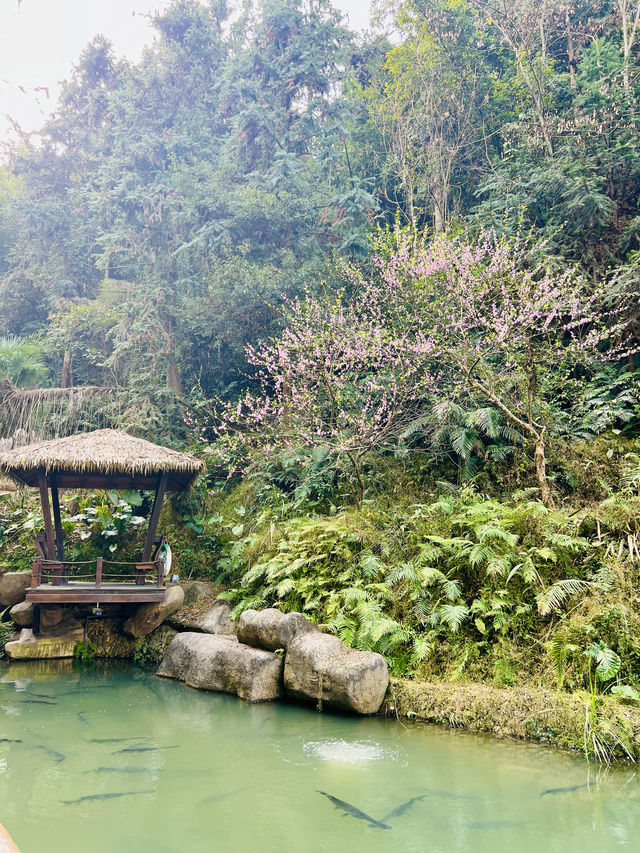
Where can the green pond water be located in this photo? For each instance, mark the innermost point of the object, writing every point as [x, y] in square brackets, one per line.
[205, 772]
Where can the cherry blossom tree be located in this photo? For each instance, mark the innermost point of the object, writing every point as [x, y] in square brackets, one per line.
[340, 377]
[351, 371]
[498, 321]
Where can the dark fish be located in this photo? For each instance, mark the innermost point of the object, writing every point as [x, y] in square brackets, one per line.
[144, 748]
[91, 797]
[264, 723]
[402, 808]
[36, 702]
[40, 695]
[217, 797]
[9, 740]
[564, 790]
[352, 811]
[114, 739]
[120, 770]
[57, 756]
[82, 718]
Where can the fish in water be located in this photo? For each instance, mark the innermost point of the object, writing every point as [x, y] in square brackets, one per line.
[9, 740]
[120, 770]
[40, 695]
[57, 756]
[564, 790]
[82, 718]
[215, 798]
[352, 811]
[92, 797]
[114, 739]
[144, 748]
[402, 808]
[36, 702]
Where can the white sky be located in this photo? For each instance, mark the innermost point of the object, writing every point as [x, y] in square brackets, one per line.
[40, 40]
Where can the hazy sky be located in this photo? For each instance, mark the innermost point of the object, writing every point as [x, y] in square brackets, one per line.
[41, 39]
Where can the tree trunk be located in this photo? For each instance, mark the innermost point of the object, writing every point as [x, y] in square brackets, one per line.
[571, 51]
[541, 472]
[439, 213]
[173, 378]
[66, 376]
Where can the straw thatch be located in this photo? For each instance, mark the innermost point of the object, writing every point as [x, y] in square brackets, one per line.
[103, 458]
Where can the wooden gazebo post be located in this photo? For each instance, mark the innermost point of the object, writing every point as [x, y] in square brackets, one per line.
[155, 515]
[55, 500]
[46, 515]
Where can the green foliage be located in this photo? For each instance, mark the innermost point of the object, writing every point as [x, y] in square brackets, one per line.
[416, 578]
[86, 651]
[22, 362]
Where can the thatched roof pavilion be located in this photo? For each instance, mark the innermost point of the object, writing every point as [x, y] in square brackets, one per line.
[107, 459]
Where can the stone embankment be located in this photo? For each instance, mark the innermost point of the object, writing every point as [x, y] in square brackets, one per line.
[265, 655]
[276, 654]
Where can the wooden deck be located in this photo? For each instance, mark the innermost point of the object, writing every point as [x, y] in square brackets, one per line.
[53, 582]
[77, 592]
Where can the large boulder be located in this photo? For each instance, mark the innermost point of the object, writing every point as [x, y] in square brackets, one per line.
[215, 619]
[30, 647]
[194, 591]
[13, 587]
[321, 668]
[270, 629]
[22, 614]
[223, 664]
[148, 616]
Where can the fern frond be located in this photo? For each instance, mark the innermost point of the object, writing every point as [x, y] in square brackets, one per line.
[453, 615]
[554, 597]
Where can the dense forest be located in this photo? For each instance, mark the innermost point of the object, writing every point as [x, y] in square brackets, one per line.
[387, 285]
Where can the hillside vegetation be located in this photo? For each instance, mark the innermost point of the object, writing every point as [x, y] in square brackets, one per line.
[386, 284]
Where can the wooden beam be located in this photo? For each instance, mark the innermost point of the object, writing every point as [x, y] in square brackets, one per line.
[106, 594]
[55, 500]
[155, 515]
[46, 515]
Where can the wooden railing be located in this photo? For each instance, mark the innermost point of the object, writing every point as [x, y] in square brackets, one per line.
[58, 573]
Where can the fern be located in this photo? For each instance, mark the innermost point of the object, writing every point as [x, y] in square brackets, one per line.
[554, 597]
[453, 615]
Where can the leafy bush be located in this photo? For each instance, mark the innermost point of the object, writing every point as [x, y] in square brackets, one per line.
[411, 580]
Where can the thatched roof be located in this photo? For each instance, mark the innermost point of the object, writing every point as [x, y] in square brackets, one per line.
[105, 458]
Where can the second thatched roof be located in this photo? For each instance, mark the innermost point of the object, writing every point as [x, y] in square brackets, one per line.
[105, 458]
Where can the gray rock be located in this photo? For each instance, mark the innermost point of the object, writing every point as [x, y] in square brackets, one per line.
[270, 629]
[218, 620]
[215, 620]
[30, 647]
[22, 614]
[223, 664]
[149, 616]
[321, 668]
[13, 587]
[195, 590]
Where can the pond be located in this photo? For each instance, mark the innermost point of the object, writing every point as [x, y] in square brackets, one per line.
[114, 759]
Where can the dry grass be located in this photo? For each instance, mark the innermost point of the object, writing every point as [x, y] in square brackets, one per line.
[537, 714]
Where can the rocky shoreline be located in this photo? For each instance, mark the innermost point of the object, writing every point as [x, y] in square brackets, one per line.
[266, 655]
